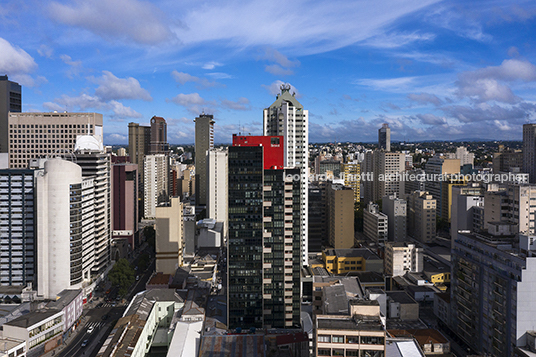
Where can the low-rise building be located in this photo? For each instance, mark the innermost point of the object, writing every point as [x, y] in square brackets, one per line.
[343, 261]
[375, 224]
[431, 341]
[401, 258]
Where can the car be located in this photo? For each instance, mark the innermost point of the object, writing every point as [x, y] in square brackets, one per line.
[84, 343]
[137, 277]
[90, 329]
[105, 317]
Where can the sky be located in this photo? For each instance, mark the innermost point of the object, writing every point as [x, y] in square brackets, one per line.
[432, 70]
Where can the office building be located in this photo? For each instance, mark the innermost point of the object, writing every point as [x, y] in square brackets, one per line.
[89, 154]
[395, 209]
[529, 151]
[17, 228]
[384, 137]
[217, 176]
[340, 201]
[10, 101]
[375, 224]
[139, 143]
[264, 246]
[155, 171]
[351, 173]
[464, 201]
[422, 216]
[344, 261]
[508, 161]
[465, 157]
[124, 209]
[169, 237]
[65, 228]
[317, 217]
[384, 172]
[40, 135]
[402, 258]
[330, 168]
[439, 166]
[204, 141]
[492, 301]
[287, 117]
[159, 143]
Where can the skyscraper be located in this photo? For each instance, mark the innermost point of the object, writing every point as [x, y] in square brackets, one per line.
[204, 141]
[529, 151]
[264, 261]
[10, 101]
[124, 207]
[287, 117]
[384, 137]
[217, 178]
[156, 168]
[139, 143]
[159, 144]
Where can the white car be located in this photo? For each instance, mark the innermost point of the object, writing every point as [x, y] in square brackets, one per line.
[90, 329]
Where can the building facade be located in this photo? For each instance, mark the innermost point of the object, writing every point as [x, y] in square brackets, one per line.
[422, 216]
[395, 209]
[375, 224]
[352, 174]
[40, 135]
[204, 141]
[287, 117]
[264, 249]
[155, 184]
[529, 151]
[384, 137]
[341, 216]
[217, 179]
[169, 237]
[124, 206]
[402, 258]
[10, 101]
[159, 144]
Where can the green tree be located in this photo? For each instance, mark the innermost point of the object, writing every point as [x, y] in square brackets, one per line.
[122, 275]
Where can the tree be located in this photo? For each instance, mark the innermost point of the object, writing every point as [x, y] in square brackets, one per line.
[122, 275]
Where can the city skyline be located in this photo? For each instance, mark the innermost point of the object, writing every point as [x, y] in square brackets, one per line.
[431, 70]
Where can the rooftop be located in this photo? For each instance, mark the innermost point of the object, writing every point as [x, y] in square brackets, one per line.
[64, 298]
[358, 322]
[352, 253]
[423, 336]
[32, 318]
[401, 297]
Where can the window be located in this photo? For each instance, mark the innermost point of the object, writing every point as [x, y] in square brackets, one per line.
[323, 338]
[324, 352]
[338, 339]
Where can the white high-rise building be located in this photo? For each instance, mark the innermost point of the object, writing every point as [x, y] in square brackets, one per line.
[286, 117]
[464, 156]
[65, 227]
[155, 170]
[217, 180]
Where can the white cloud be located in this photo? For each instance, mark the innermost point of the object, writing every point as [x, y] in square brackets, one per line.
[121, 111]
[113, 88]
[14, 60]
[278, 70]
[241, 104]
[45, 51]
[133, 20]
[425, 98]
[193, 102]
[28, 81]
[211, 65]
[297, 27]
[275, 88]
[75, 66]
[390, 84]
[397, 39]
[86, 102]
[183, 78]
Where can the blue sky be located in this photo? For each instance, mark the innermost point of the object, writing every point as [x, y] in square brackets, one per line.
[431, 69]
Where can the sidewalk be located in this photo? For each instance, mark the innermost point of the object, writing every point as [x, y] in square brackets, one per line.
[83, 320]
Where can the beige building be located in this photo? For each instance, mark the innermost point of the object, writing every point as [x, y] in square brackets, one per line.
[39, 135]
[402, 258]
[375, 224]
[341, 216]
[204, 141]
[439, 166]
[360, 334]
[352, 173]
[385, 170]
[169, 237]
[422, 216]
[217, 178]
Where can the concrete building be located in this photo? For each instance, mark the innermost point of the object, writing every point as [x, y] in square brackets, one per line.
[402, 258]
[204, 141]
[317, 217]
[375, 224]
[159, 144]
[264, 235]
[10, 101]
[352, 174]
[464, 201]
[422, 216]
[396, 211]
[39, 135]
[508, 161]
[344, 261]
[360, 334]
[330, 168]
[439, 166]
[12, 347]
[287, 117]
[139, 143]
[155, 184]
[340, 216]
[529, 151]
[124, 209]
[465, 157]
[384, 174]
[95, 163]
[18, 228]
[169, 236]
[217, 176]
[384, 137]
[65, 227]
[493, 278]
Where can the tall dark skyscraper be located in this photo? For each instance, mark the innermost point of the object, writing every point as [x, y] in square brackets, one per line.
[10, 101]
[159, 144]
[264, 252]
[204, 141]
[529, 151]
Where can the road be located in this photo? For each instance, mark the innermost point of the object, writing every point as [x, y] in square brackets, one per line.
[102, 327]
